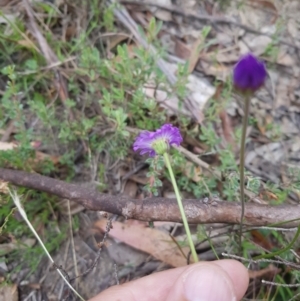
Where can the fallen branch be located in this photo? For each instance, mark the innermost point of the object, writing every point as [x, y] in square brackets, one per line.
[156, 208]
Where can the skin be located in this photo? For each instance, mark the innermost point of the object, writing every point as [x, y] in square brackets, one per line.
[225, 280]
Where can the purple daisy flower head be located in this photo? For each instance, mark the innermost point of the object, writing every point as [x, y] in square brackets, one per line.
[157, 142]
[249, 74]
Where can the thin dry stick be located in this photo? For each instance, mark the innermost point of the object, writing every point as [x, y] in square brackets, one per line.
[49, 55]
[277, 261]
[250, 260]
[198, 161]
[116, 274]
[295, 297]
[280, 284]
[17, 202]
[72, 244]
[48, 67]
[101, 244]
[13, 24]
[274, 229]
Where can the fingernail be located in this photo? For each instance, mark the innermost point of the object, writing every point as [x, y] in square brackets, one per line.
[208, 283]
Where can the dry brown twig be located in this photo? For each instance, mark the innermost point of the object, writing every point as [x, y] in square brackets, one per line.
[49, 55]
[100, 245]
[207, 210]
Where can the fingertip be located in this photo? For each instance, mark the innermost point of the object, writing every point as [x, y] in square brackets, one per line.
[225, 280]
[217, 280]
[116, 293]
[238, 273]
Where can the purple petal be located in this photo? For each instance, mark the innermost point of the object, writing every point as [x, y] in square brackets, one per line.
[249, 73]
[143, 142]
[170, 134]
[145, 139]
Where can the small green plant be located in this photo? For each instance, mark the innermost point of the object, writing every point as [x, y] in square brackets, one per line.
[156, 166]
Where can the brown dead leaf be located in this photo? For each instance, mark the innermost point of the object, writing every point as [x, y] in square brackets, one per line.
[227, 128]
[141, 179]
[269, 5]
[9, 292]
[225, 56]
[268, 195]
[4, 187]
[64, 207]
[269, 272]
[70, 32]
[8, 131]
[130, 189]
[114, 40]
[27, 44]
[220, 71]
[7, 248]
[39, 156]
[182, 50]
[263, 122]
[3, 3]
[152, 241]
[284, 58]
[257, 44]
[4, 146]
[192, 172]
[35, 286]
[162, 14]
[281, 96]
[194, 57]
[261, 240]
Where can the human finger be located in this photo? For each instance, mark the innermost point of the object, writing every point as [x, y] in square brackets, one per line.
[219, 279]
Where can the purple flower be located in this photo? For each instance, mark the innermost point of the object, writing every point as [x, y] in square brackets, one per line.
[157, 142]
[249, 73]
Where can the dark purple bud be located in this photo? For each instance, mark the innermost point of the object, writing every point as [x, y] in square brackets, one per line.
[249, 74]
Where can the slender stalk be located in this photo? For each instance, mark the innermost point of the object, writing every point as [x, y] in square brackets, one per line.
[17, 202]
[181, 209]
[242, 165]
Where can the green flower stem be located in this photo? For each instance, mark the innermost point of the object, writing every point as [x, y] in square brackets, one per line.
[242, 163]
[181, 209]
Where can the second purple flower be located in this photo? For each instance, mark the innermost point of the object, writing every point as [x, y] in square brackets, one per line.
[249, 74]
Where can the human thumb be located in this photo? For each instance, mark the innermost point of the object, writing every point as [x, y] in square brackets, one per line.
[218, 281]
